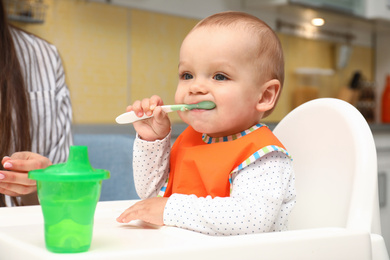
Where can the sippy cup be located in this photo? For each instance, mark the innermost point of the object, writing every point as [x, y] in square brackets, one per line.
[68, 194]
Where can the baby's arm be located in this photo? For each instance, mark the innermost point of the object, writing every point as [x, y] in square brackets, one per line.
[150, 165]
[151, 169]
[262, 197]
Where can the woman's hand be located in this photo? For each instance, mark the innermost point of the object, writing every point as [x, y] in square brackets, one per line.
[14, 179]
[154, 128]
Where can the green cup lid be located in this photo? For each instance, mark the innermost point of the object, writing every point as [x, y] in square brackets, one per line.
[77, 168]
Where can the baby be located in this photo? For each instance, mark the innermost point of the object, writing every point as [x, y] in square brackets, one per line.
[226, 174]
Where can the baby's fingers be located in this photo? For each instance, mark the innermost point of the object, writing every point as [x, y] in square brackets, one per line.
[147, 107]
[136, 211]
[155, 101]
[129, 108]
[127, 216]
[137, 108]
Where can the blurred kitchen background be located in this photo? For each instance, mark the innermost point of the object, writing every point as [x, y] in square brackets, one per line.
[117, 51]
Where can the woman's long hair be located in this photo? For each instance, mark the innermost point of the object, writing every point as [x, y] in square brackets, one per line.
[14, 101]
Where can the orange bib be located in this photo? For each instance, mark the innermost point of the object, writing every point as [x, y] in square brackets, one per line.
[203, 169]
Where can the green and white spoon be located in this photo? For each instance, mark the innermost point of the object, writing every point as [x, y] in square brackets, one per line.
[131, 117]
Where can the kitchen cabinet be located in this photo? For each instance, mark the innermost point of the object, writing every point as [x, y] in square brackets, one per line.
[368, 9]
[26, 11]
[377, 9]
[197, 9]
[352, 7]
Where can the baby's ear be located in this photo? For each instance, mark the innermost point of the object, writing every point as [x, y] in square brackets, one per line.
[268, 95]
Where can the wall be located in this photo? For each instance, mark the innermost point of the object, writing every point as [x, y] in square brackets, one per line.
[93, 43]
[300, 52]
[114, 55]
[155, 44]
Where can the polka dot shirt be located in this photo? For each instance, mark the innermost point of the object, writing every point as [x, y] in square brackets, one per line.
[262, 197]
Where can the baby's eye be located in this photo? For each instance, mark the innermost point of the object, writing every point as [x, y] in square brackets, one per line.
[220, 77]
[186, 76]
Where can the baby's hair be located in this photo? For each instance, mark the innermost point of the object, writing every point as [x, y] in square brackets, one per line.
[270, 49]
[270, 53]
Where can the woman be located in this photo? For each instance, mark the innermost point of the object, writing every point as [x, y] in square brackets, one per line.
[35, 111]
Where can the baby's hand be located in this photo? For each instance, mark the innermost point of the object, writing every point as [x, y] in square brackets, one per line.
[149, 210]
[154, 128]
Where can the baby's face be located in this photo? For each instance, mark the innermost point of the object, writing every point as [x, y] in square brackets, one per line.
[219, 64]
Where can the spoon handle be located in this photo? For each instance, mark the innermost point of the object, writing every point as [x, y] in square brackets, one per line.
[131, 117]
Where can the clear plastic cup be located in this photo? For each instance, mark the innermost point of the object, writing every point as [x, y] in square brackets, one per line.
[68, 194]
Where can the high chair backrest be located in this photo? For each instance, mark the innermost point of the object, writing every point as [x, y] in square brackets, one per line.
[335, 164]
[112, 152]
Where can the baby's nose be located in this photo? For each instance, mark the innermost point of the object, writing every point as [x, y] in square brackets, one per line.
[198, 87]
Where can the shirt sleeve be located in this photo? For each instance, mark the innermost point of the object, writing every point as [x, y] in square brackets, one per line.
[150, 165]
[61, 118]
[50, 106]
[262, 197]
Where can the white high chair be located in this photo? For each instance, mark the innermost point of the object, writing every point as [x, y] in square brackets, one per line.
[335, 164]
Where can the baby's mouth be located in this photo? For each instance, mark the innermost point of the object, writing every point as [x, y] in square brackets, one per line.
[203, 105]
